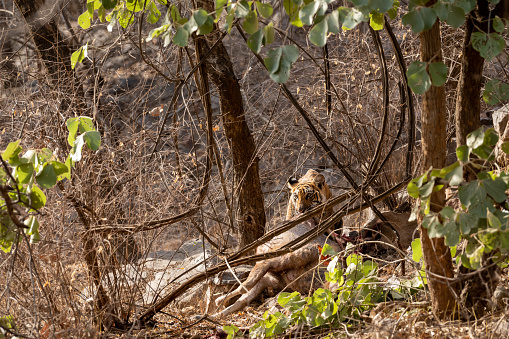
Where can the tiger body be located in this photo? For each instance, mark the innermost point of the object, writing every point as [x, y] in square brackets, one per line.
[308, 192]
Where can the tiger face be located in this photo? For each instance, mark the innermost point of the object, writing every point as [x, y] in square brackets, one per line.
[307, 192]
[305, 196]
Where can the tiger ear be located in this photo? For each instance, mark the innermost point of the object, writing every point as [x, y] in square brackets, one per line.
[292, 182]
[319, 180]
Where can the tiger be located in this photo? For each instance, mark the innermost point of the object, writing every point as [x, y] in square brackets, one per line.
[307, 192]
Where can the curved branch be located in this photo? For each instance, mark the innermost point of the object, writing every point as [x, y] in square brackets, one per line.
[409, 98]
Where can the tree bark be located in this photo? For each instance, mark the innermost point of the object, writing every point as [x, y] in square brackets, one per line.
[468, 102]
[250, 206]
[436, 254]
[478, 289]
[52, 50]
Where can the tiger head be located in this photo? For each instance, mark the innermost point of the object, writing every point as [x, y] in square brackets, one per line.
[307, 192]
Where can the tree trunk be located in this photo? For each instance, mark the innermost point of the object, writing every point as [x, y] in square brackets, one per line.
[478, 289]
[436, 254]
[468, 102]
[250, 206]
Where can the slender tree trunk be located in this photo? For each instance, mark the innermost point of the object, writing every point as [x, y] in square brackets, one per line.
[478, 289]
[436, 254]
[468, 102]
[250, 206]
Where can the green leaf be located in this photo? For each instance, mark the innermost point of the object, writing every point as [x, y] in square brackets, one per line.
[498, 24]
[251, 23]
[418, 79]
[393, 12]
[471, 193]
[495, 91]
[493, 221]
[59, 168]
[463, 153]
[484, 152]
[265, 10]
[292, 9]
[353, 259]
[426, 190]
[318, 34]
[414, 19]
[380, 6]
[447, 212]
[200, 16]
[79, 55]
[229, 21]
[416, 250]
[153, 13]
[72, 126]
[376, 21]
[93, 140]
[37, 198]
[47, 178]
[476, 138]
[254, 42]
[442, 10]
[242, 9]
[207, 27]
[181, 37]
[273, 59]
[327, 250]
[86, 124]
[490, 137]
[467, 5]
[455, 16]
[350, 17]
[284, 298]
[438, 72]
[24, 172]
[268, 34]
[125, 17]
[307, 12]
[101, 13]
[279, 62]
[333, 22]
[84, 20]
[11, 153]
[220, 4]
[414, 185]
[428, 17]
[488, 45]
[496, 189]
[109, 4]
[134, 6]
[455, 177]
[505, 147]
[369, 267]
[432, 224]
